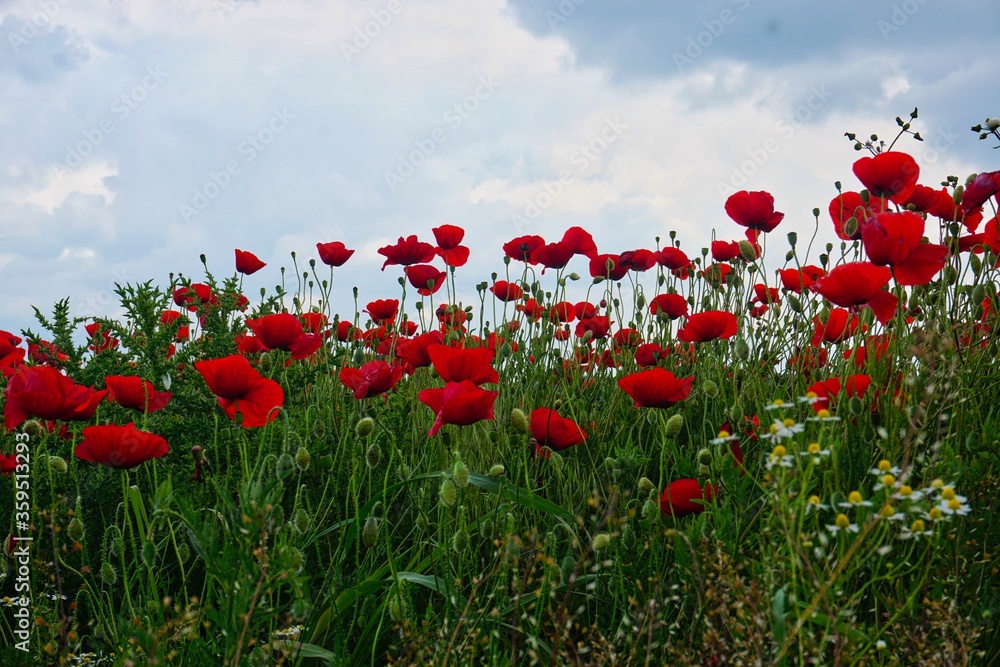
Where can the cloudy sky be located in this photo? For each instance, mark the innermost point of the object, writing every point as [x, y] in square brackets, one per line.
[137, 134]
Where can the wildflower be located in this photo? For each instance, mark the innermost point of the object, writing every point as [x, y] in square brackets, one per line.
[553, 431]
[953, 504]
[811, 397]
[685, 496]
[240, 387]
[707, 326]
[248, 263]
[884, 467]
[407, 251]
[855, 499]
[120, 446]
[815, 504]
[916, 529]
[754, 210]
[333, 254]
[461, 403]
[781, 457]
[780, 430]
[724, 436]
[892, 175]
[778, 404]
[656, 388]
[842, 523]
[816, 453]
[823, 415]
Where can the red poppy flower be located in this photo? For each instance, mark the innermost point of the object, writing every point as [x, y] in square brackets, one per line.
[599, 327]
[425, 278]
[383, 311]
[607, 266]
[854, 385]
[852, 284]
[120, 447]
[638, 260]
[754, 210]
[648, 354]
[797, 280]
[553, 255]
[457, 256]
[248, 263]
[461, 403]
[11, 356]
[672, 305]
[283, 331]
[247, 344]
[921, 265]
[627, 338]
[840, 324]
[685, 496]
[978, 192]
[580, 241]
[372, 379]
[101, 340]
[562, 312]
[531, 308]
[656, 388]
[849, 205]
[890, 237]
[135, 393]
[240, 388]
[346, 331]
[555, 432]
[709, 325]
[672, 258]
[407, 251]
[415, 351]
[44, 392]
[506, 291]
[765, 295]
[585, 310]
[523, 247]
[717, 273]
[892, 175]
[448, 236]
[334, 253]
[314, 322]
[168, 317]
[195, 296]
[723, 251]
[458, 364]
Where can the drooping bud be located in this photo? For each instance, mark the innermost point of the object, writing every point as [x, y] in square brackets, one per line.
[364, 427]
[285, 465]
[460, 473]
[747, 251]
[57, 464]
[674, 425]
[705, 456]
[373, 455]
[302, 458]
[519, 421]
[742, 349]
[460, 542]
[710, 388]
[75, 529]
[497, 471]
[369, 534]
[447, 492]
[645, 485]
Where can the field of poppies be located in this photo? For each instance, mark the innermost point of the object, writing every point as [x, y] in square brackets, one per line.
[767, 451]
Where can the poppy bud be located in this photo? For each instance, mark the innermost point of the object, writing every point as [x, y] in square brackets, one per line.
[460, 542]
[601, 541]
[369, 534]
[640, 300]
[790, 255]
[556, 461]
[512, 552]
[978, 293]
[950, 274]
[497, 471]
[397, 608]
[75, 529]
[285, 465]
[33, 427]
[703, 470]
[794, 303]
[57, 464]
[674, 425]
[975, 263]
[710, 388]
[460, 473]
[447, 492]
[422, 524]
[865, 196]
[364, 427]
[519, 420]
[957, 195]
[747, 250]
[183, 552]
[302, 458]
[705, 456]
[108, 574]
[645, 485]
[373, 455]
[302, 521]
[855, 406]
[650, 510]
[508, 524]
[742, 349]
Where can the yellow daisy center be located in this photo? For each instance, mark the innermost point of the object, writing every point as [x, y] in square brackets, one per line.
[842, 521]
